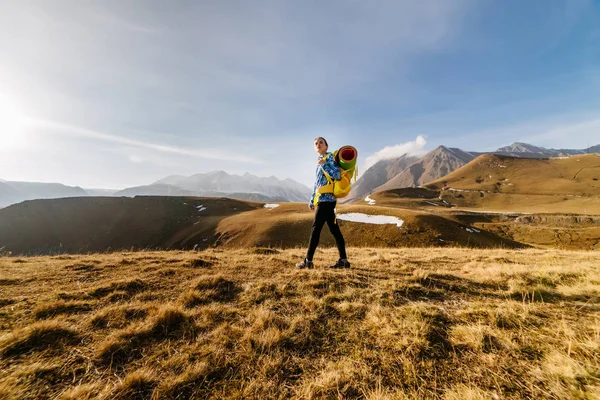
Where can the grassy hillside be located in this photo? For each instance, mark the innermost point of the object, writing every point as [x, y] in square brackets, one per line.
[500, 183]
[568, 225]
[403, 323]
[99, 224]
[289, 226]
[548, 230]
[577, 175]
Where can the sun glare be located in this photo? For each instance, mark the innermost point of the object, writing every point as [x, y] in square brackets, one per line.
[12, 123]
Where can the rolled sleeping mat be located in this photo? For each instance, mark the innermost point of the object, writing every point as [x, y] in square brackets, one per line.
[346, 158]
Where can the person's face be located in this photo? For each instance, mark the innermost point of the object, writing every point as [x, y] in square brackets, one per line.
[320, 146]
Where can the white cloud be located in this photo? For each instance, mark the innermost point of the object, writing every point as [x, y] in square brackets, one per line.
[414, 148]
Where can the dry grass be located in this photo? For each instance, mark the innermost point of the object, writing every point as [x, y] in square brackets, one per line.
[401, 324]
[499, 183]
[61, 307]
[138, 384]
[36, 337]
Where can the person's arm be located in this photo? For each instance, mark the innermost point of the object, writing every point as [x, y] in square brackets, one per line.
[312, 198]
[332, 169]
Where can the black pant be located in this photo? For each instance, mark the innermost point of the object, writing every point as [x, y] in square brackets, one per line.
[325, 213]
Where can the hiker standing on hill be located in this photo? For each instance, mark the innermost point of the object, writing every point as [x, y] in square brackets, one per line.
[326, 203]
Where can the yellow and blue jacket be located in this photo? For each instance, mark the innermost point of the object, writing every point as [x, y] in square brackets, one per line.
[333, 170]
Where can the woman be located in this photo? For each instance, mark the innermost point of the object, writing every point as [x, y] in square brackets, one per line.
[326, 203]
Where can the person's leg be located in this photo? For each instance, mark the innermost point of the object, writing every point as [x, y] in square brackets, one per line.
[315, 233]
[336, 232]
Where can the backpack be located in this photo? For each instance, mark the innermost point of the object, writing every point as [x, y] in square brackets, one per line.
[345, 158]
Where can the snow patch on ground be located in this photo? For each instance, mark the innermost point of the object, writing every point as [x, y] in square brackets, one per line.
[201, 208]
[370, 200]
[371, 219]
[271, 206]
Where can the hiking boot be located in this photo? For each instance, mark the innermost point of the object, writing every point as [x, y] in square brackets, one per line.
[341, 263]
[305, 264]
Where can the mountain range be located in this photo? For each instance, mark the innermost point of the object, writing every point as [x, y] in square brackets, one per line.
[380, 173]
[15, 192]
[403, 171]
[222, 184]
[526, 150]
[212, 184]
[440, 162]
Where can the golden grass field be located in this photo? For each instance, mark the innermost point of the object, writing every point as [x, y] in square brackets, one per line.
[576, 175]
[499, 183]
[418, 323]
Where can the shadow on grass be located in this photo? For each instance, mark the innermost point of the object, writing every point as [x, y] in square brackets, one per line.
[441, 287]
[38, 336]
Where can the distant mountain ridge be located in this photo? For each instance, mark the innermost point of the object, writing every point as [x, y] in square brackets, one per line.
[212, 184]
[222, 184]
[15, 192]
[380, 173]
[403, 171]
[518, 147]
[437, 163]
[444, 160]
[526, 150]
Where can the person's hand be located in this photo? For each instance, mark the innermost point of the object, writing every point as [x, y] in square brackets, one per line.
[311, 206]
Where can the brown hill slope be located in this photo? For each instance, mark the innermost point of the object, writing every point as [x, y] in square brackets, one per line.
[559, 229]
[289, 226]
[547, 230]
[500, 183]
[435, 164]
[410, 197]
[93, 224]
[243, 324]
[578, 175]
[77, 225]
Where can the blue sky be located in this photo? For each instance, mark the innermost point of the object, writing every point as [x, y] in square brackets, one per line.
[114, 94]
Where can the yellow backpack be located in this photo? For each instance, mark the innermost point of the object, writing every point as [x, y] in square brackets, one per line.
[340, 188]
